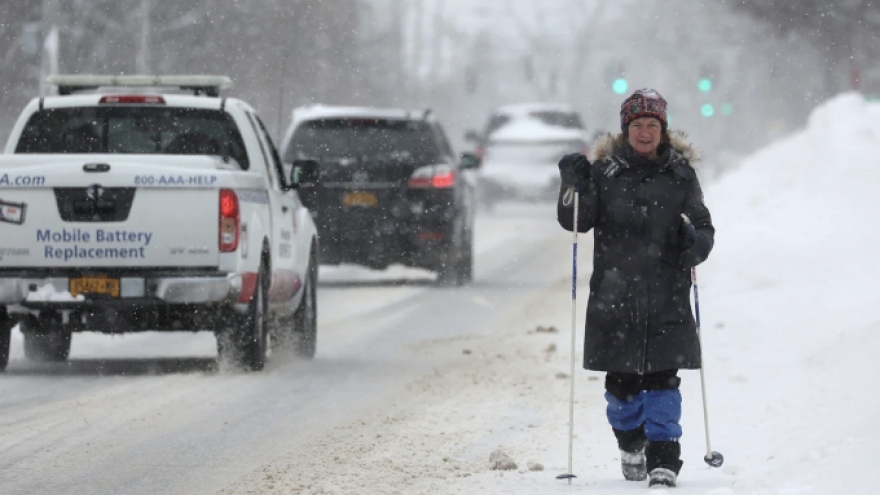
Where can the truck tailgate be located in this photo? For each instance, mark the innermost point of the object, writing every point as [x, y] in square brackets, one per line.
[130, 216]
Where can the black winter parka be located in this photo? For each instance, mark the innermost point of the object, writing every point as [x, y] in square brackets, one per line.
[639, 317]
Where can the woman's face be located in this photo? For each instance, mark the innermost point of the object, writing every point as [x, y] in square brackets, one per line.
[644, 136]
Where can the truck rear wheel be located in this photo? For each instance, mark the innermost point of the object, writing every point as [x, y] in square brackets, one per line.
[243, 339]
[45, 338]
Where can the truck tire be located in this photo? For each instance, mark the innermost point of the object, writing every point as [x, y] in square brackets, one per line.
[45, 338]
[305, 319]
[6, 325]
[243, 339]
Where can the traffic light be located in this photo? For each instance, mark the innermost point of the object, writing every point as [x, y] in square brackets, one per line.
[704, 84]
[707, 110]
[706, 81]
[616, 77]
[708, 77]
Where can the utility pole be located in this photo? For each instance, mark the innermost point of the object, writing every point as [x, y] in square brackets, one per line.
[417, 36]
[437, 39]
[49, 56]
[142, 60]
[399, 11]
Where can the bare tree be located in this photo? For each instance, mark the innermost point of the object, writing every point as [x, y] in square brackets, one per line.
[843, 31]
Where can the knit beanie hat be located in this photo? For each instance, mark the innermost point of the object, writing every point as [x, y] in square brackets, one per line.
[645, 102]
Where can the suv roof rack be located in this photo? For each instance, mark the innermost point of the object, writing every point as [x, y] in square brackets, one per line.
[198, 84]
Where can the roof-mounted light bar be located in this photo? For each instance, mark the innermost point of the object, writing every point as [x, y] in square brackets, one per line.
[209, 85]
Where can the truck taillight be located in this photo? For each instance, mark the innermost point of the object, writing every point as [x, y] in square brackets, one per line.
[230, 221]
[132, 99]
[433, 177]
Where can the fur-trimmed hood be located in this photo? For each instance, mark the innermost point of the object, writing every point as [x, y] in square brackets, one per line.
[604, 147]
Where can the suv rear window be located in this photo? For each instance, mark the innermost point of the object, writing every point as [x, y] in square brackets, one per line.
[550, 117]
[373, 138]
[157, 130]
[562, 119]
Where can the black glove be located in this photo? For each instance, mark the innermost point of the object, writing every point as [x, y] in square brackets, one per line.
[695, 247]
[687, 234]
[575, 169]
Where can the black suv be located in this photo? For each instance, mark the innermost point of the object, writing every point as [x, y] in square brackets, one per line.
[391, 189]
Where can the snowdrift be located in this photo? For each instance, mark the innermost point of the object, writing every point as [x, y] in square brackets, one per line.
[790, 321]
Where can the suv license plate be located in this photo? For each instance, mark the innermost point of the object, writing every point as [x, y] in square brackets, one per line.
[360, 198]
[94, 285]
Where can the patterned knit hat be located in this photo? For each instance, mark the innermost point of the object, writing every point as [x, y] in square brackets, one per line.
[645, 102]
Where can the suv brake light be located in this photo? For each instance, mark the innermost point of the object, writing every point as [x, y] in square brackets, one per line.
[230, 221]
[433, 177]
[133, 99]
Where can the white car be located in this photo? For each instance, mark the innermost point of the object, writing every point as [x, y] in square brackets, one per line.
[520, 160]
[123, 210]
[553, 114]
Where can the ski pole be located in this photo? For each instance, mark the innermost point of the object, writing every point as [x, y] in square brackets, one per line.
[712, 458]
[574, 254]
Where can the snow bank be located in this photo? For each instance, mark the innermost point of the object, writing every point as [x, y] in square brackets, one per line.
[810, 194]
[787, 296]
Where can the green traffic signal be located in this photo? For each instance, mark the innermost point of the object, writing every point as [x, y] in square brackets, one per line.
[619, 86]
[707, 110]
[705, 84]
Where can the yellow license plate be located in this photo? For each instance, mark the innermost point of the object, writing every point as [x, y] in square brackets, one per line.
[104, 286]
[360, 198]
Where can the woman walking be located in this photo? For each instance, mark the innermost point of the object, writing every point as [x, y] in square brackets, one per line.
[642, 199]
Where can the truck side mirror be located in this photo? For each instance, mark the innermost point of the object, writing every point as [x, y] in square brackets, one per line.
[304, 173]
[469, 161]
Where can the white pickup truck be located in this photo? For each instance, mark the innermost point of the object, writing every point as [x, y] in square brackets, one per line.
[133, 208]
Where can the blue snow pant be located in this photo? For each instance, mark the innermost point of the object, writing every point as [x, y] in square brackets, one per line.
[651, 401]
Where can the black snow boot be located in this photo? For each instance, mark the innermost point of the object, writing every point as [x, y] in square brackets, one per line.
[632, 453]
[662, 478]
[663, 463]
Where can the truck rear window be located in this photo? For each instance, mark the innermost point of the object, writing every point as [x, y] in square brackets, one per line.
[370, 138]
[158, 130]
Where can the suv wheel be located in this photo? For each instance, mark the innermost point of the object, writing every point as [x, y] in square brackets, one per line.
[456, 268]
[466, 260]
